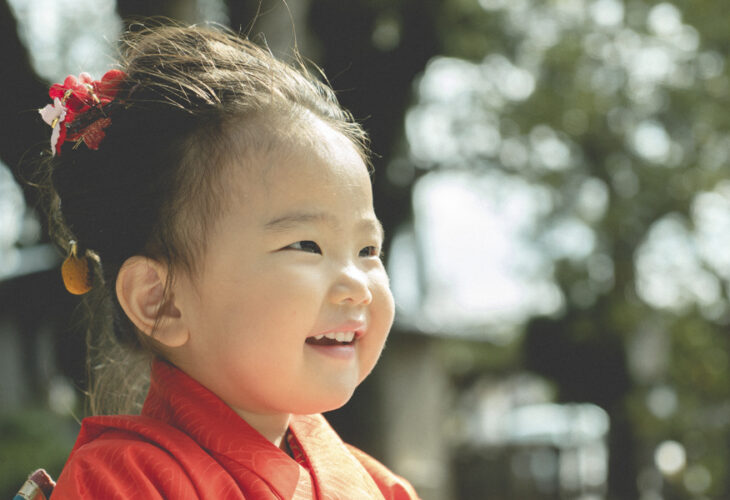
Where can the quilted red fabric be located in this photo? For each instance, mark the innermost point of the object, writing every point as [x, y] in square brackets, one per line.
[189, 444]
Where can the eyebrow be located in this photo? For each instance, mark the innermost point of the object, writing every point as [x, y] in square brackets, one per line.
[291, 220]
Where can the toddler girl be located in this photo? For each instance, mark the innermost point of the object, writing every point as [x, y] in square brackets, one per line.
[217, 203]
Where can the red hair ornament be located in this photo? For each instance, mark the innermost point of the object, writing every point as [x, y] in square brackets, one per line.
[78, 109]
[79, 114]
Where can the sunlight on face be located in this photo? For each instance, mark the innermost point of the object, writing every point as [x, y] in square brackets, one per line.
[294, 261]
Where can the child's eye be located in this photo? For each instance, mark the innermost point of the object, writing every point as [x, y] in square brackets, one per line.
[305, 246]
[371, 251]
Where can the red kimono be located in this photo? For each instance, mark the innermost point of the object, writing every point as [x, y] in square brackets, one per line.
[189, 444]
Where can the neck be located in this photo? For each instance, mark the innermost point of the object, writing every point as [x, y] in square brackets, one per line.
[272, 426]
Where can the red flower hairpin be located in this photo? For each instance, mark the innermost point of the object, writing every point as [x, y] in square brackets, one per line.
[78, 109]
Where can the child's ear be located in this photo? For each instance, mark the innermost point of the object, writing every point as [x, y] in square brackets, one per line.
[141, 293]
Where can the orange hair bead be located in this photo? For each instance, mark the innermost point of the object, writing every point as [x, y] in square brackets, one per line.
[76, 273]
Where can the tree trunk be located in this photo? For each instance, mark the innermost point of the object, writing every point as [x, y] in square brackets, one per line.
[184, 11]
[23, 92]
[283, 25]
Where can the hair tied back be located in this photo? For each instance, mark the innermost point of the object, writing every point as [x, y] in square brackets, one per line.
[78, 112]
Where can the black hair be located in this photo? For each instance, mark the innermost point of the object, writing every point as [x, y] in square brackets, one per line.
[156, 183]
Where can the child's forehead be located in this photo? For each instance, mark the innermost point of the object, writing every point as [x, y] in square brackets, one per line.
[260, 153]
[299, 172]
[274, 169]
[284, 133]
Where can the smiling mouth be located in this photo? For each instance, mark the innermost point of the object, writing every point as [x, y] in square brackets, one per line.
[334, 338]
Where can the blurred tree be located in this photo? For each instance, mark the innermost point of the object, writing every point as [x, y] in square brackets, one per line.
[181, 10]
[18, 100]
[34, 301]
[617, 110]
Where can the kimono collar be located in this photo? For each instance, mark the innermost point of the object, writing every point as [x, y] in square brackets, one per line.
[180, 401]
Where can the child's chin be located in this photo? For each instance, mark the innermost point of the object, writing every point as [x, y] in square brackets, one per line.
[329, 404]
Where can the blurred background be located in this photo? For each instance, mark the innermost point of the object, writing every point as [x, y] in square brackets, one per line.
[552, 176]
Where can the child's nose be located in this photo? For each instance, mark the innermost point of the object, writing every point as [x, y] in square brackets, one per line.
[351, 286]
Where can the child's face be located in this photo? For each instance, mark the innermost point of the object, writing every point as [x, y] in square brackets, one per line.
[294, 257]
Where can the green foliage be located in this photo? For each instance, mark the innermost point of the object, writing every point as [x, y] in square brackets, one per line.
[31, 440]
[638, 94]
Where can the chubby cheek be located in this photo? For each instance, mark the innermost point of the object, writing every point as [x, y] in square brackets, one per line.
[382, 311]
[270, 301]
[383, 303]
